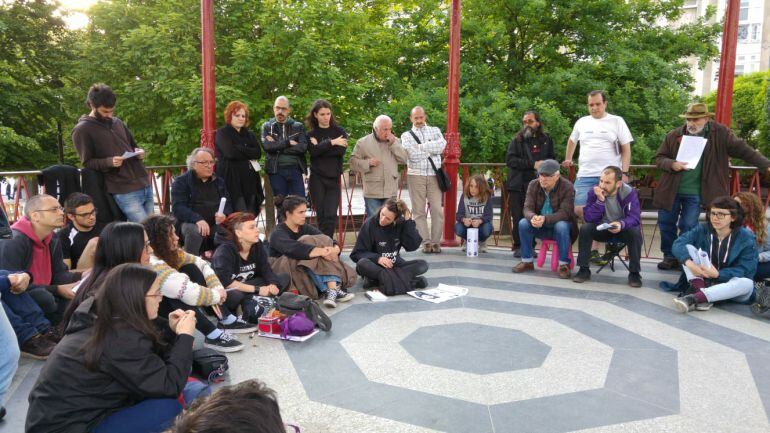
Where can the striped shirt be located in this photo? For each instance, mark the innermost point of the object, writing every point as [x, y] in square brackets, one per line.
[432, 143]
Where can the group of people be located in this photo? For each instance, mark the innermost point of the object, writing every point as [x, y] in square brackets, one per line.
[113, 307]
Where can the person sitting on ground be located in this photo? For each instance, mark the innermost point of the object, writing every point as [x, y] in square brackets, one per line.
[475, 211]
[755, 221]
[76, 237]
[377, 251]
[195, 199]
[34, 333]
[732, 249]
[548, 214]
[250, 402]
[120, 242]
[616, 203]
[35, 250]
[310, 257]
[120, 372]
[188, 282]
[242, 265]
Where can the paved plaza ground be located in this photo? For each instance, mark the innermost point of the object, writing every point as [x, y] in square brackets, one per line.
[520, 353]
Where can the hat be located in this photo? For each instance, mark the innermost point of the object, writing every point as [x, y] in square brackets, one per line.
[696, 111]
[548, 167]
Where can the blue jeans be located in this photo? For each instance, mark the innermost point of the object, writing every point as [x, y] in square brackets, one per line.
[136, 205]
[373, 205]
[582, 186]
[485, 231]
[558, 232]
[321, 280]
[9, 355]
[685, 210]
[25, 316]
[288, 181]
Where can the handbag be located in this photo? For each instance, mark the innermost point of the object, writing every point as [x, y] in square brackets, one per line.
[441, 176]
[290, 304]
[209, 364]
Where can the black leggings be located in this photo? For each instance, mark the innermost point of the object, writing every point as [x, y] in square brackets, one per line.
[371, 270]
[325, 194]
[235, 298]
[203, 324]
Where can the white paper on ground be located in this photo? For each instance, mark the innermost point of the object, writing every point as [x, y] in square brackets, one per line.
[442, 293]
[289, 337]
[690, 150]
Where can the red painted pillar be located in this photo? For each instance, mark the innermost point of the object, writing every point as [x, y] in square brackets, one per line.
[452, 151]
[207, 72]
[727, 63]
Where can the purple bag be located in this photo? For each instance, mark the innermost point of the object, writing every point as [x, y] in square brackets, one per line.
[296, 325]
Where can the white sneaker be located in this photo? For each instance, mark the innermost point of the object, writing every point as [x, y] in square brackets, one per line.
[330, 300]
[344, 296]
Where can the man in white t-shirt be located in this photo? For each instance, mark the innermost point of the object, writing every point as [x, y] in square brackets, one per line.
[605, 140]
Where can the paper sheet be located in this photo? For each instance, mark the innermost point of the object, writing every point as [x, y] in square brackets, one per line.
[691, 150]
[127, 154]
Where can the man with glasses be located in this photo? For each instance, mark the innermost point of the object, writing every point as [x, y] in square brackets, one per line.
[33, 249]
[78, 238]
[526, 152]
[285, 143]
[682, 190]
[195, 200]
[548, 214]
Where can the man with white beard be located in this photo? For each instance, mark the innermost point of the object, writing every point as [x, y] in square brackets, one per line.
[683, 190]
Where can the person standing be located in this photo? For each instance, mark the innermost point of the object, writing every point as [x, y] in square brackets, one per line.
[421, 143]
[285, 143]
[328, 143]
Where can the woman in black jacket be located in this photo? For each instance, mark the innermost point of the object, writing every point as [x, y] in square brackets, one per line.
[530, 146]
[328, 143]
[116, 373]
[236, 147]
[377, 251]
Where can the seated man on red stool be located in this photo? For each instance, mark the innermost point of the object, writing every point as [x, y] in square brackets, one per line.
[548, 214]
[615, 203]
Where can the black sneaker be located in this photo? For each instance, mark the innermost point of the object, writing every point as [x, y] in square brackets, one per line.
[668, 263]
[224, 343]
[2, 413]
[344, 296]
[419, 282]
[634, 279]
[38, 347]
[330, 299]
[597, 259]
[54, 334]
[583, 275]
[240, 326]
[685, 303]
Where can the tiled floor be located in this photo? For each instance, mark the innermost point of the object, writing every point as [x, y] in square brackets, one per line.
[519, 353]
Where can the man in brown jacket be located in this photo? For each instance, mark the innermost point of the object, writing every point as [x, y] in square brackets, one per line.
[376, 157]
[682, 191]
[105, 144]
[548, 214]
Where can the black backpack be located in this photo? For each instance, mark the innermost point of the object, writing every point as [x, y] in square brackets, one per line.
[289, 304]
[209, 364]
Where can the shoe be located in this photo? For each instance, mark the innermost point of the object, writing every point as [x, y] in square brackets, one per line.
[419, 282]
[634, 279]
[564, 272]
[583, 275]
[523, 267]
[704, 306]
[685, 303]
[54, 334]
[436, 248]
[762, 293]
[465, 246]
[483, 247]
[369, 283]
[240, 326]
[344, 296]
[2, 413]
[330, 299]
[668, 263]
[224, 343]
[427, 248]
[38, 347]
[517, 253]
[597, 259]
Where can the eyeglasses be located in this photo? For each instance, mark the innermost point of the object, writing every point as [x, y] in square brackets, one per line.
[206, 163]
[720, 215]
[86, 214]
[53, 209]
[157, 295]
[528, 121]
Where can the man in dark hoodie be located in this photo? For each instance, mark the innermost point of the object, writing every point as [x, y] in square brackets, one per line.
[33, 249]
[285, 143]
[105, 144]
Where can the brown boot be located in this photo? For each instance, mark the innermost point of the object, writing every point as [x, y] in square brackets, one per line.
[427, 248]
[523, 267]
[38, 347]
[564, 272]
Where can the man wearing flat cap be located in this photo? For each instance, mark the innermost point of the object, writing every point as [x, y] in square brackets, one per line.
[682, 190]
[548, 214]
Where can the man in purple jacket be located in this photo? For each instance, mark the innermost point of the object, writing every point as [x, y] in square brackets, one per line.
[615, 204]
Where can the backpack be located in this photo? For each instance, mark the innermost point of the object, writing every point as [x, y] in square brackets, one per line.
[290, 304]
[298, 325]
[209, 364]
[255, 307]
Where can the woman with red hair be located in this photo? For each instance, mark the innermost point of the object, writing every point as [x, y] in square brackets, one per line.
[237, 151]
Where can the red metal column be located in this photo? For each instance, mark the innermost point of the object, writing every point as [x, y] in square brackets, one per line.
[207, 72]
[452, 151]
[727, 63]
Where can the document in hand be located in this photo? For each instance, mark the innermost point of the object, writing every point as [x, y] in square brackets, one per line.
[603, 226]
[128, 154]
[699, 257]
[691, 150]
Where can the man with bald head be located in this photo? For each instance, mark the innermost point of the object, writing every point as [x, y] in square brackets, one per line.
[33, 249]
[376, 156]
[423, 143]
[285, 144]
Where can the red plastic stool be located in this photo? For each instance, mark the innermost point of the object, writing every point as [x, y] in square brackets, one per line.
[545, 244]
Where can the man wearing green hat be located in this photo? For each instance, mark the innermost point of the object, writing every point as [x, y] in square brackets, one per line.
[683, 190]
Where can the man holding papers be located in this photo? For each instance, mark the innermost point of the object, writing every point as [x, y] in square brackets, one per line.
[694, 160]
[719, 258]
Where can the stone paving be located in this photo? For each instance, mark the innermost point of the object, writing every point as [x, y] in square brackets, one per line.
[519, 353]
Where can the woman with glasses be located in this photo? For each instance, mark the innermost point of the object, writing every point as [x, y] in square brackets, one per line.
[732, 253]
[529, 147]
[122, 371]
[237, 151]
